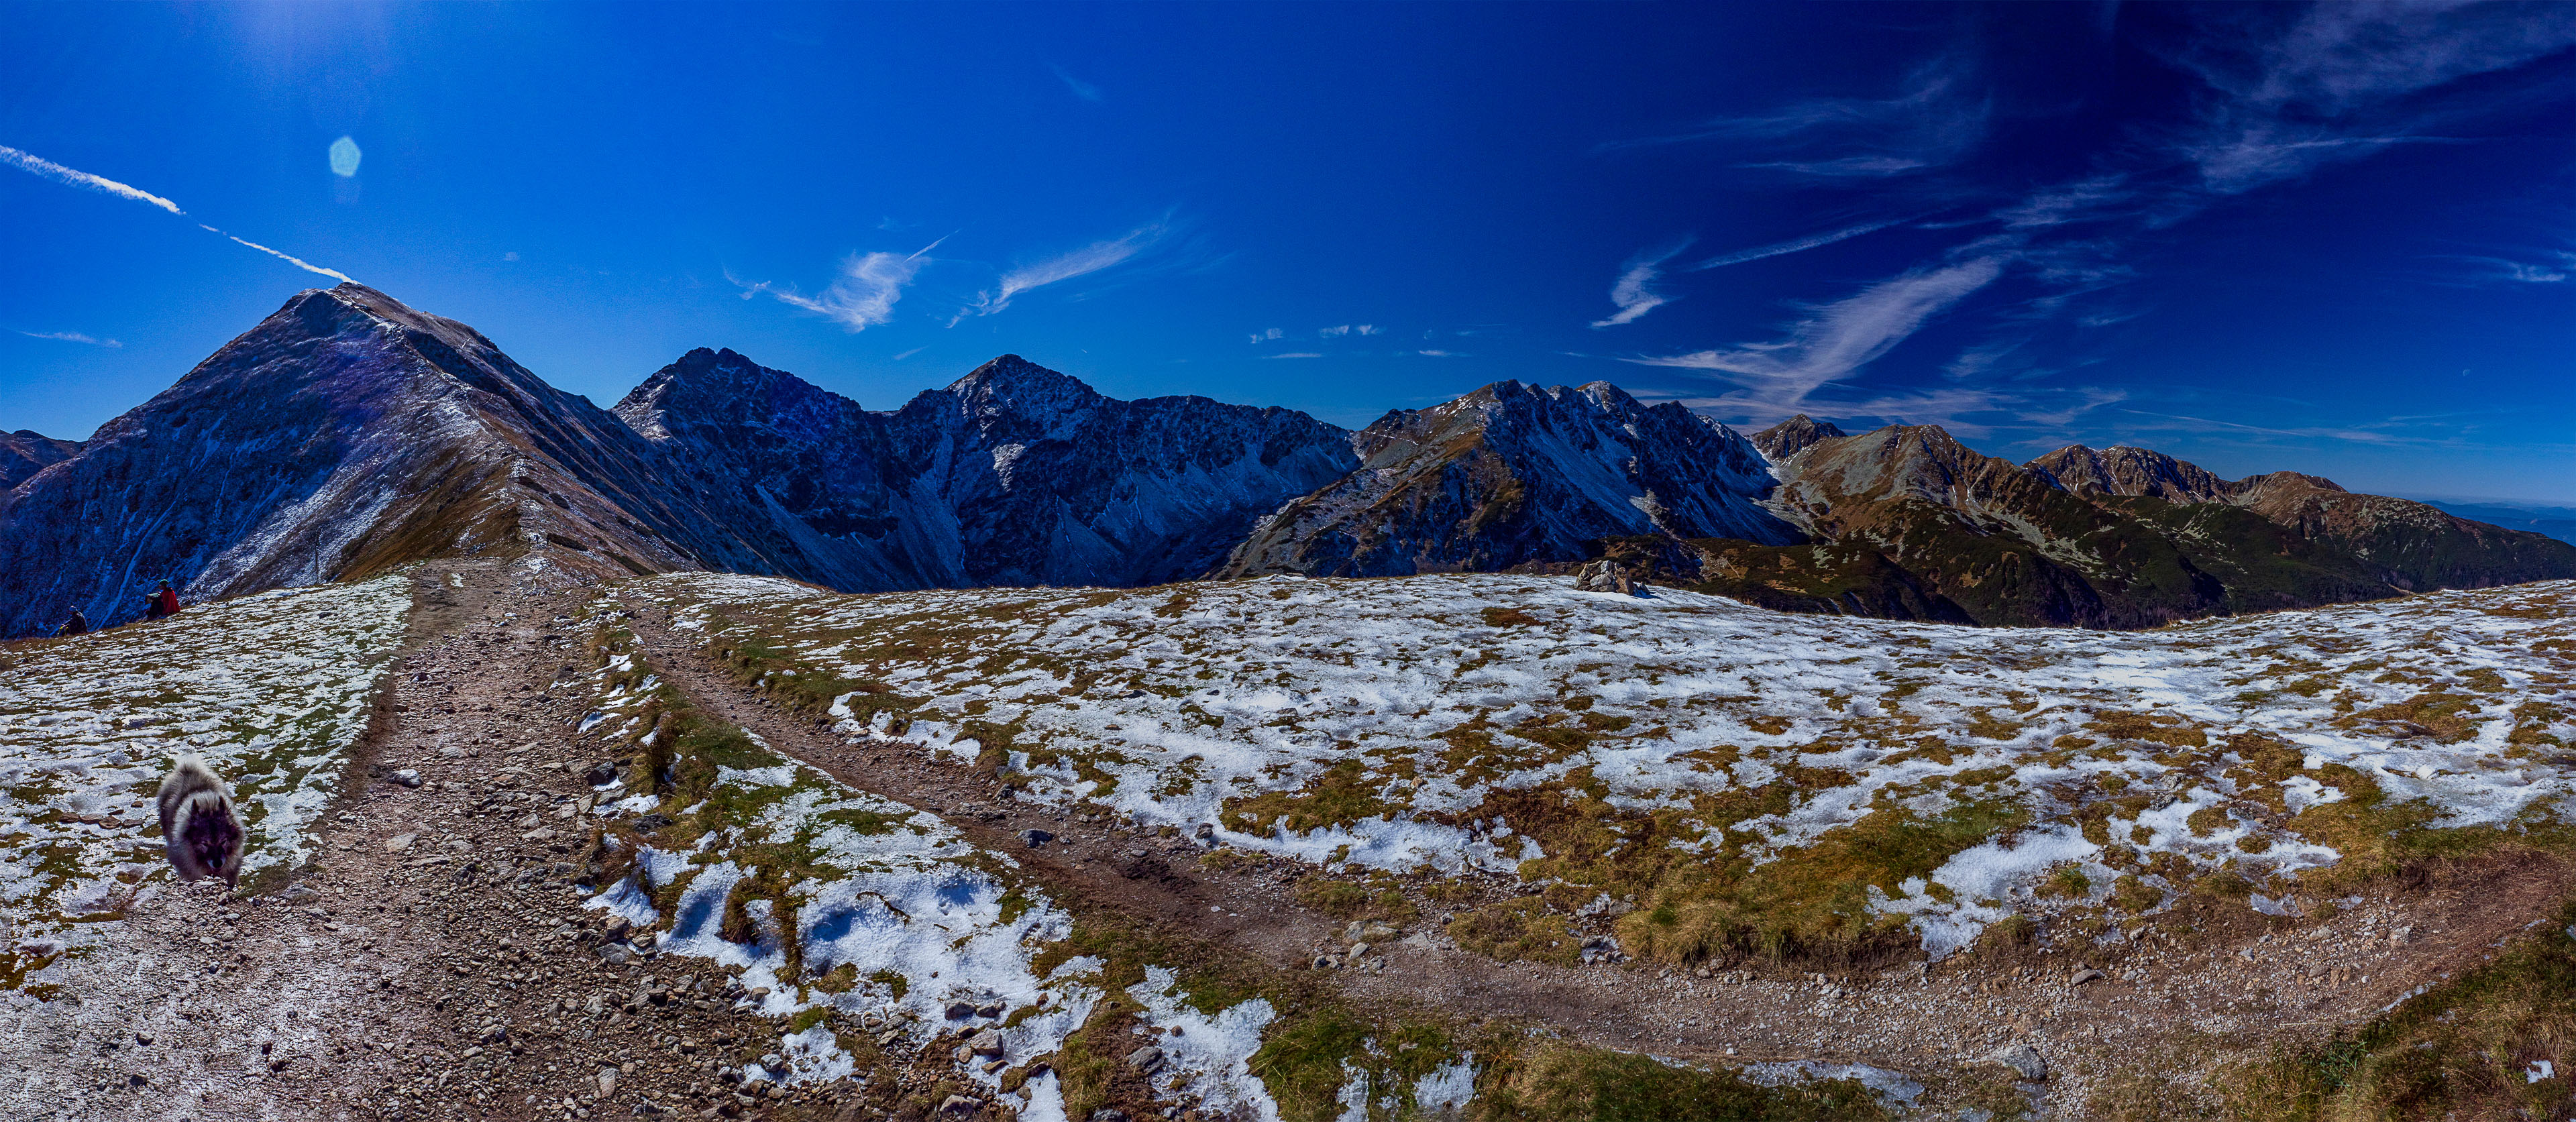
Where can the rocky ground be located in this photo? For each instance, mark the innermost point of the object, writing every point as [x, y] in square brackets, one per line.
[437, 962]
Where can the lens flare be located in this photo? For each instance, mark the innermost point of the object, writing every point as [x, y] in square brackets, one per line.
[344, 157]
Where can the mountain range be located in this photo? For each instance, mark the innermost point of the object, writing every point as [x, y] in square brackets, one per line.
[348, 434]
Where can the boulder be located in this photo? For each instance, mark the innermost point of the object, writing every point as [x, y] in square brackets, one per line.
[2022, 1058]
[1605, 576]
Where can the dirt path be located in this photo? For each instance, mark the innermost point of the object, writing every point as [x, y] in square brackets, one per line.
[2214, 970]
[435, 962]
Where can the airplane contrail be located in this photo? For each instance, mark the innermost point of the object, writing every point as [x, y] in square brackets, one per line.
[37, 165]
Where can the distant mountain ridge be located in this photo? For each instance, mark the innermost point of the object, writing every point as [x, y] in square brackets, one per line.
[348, 434]
[1918, 525]
[24, 453]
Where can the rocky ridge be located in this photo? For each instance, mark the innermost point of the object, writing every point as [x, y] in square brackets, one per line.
[348, 434]
[1907, 522]
[1513, 474]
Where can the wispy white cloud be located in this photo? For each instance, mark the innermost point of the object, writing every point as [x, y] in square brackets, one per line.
[2093, 199]
[1633, 292]
[2378, 433]
[1438, 353]
[2335, 84]
[2523, 272]
[1840, 338]
[1271, 335]
[1334, 332]
[1933, 121]
[1295, 354]
[1063, 267]
[902, 355]
[71, 337]
[1365, 329]
[862, 297]
[1794, 245]
[38, 165]
[1081, 89]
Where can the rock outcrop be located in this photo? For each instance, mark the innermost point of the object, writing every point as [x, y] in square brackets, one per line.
[1513, 474]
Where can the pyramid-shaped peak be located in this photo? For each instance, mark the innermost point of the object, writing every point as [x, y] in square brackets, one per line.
[1792, 436]
[724, 387]
[1014, 384]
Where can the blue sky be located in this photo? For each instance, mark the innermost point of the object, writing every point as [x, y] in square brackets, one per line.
[2333, 239]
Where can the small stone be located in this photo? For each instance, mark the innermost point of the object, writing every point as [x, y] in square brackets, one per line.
[607, 1082]
[602, 774]
[615, 954]
[987, 1044]
[959, 1105]
[2023, 1059]
[1035, 838]
[959, 1010]
[989, 1009]
[399, 842]
[1146, 1058]
[2082, 976]
[406, 777]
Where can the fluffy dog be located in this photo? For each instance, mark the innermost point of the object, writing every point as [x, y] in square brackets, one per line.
[198, 823]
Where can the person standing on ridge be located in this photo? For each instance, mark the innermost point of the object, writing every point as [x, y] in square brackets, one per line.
[77, 625]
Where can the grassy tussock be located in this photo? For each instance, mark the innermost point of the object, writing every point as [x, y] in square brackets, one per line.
[2460, 1051]
[1546, 1080]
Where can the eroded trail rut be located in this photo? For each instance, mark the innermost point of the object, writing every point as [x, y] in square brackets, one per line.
[436, 961]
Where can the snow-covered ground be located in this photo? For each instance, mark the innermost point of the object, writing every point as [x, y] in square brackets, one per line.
[270, 689]
[899, 923]
[1384, 713]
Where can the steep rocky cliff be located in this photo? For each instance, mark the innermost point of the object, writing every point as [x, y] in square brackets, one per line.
[1015, 474]
[1513, 474]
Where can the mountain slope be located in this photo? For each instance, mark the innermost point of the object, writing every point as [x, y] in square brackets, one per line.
[344, 435]
[24, 453]
[1015, 474]
[1513, 474]
[2120, 537]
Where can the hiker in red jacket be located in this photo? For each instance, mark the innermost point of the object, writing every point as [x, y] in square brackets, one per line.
[162, 604]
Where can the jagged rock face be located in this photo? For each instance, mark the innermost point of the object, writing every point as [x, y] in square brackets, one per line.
[1512, 475]
[1015, 474]
[2131, 471]
[24, 453]
[344, 435]
[1792, 436]
[1035, 479]
[790, 471]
